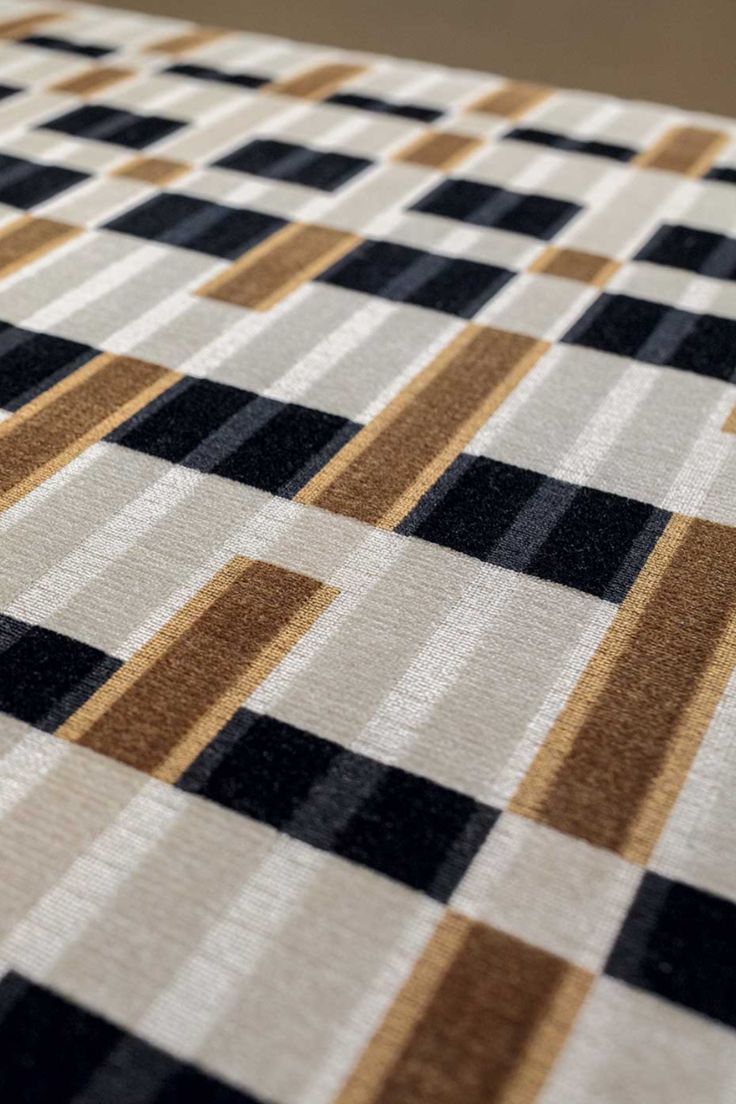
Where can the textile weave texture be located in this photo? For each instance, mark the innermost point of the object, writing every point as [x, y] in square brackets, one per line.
[368, 579]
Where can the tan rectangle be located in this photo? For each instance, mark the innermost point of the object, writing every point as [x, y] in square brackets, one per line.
[26, 25]
[687, 150]
[316, 83]
[439, 149]
[574, 264]
[27, 238]
[151, 170]
[92, 80]
[616, 758]
[278, 265]
[162, 707]
[729, 426]
[49, 431]
[512, 100]
[480, 1020]
[381, 474]
[190, 40]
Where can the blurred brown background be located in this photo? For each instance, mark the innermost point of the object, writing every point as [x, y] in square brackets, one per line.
[670, 51]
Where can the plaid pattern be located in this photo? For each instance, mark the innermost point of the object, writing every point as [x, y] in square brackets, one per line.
[368, 599]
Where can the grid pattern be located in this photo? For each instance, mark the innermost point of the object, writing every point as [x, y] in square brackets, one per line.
[368, 603]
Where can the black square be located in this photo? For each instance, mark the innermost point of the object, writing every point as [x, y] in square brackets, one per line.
[56, 1052]
[49, 1046]
[617, 324]
[174, 425]
[260, 767]
[403, 826]
[191, 223]
[285, 445]
[206, 73]
[599, 544]
[678, 942]
[107, 124]
[24, 183]
[709, 348]
[32, 362]
[694, 250]
[595, 541]
[407, 275]
[297, 164]
[621, 324]
[45, 677]
[725, 173]
[486, 205]
[572, 145]
[66, 46]
[416, 831]
[385, 107]
[478, 508]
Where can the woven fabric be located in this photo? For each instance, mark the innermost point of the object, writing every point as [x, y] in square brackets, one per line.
[368, 585]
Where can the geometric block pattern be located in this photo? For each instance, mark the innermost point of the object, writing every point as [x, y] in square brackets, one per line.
[367, 602]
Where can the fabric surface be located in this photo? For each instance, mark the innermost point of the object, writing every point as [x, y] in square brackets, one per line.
[368, 579]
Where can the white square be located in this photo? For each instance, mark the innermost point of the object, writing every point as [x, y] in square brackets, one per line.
[557, 892]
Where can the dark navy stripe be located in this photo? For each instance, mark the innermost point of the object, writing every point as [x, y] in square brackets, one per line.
[213, 427]
[385, 107]
[724, 173]
[25, 184]
[571, 145]
[659, 334]
[678, 942]
[406, 275]
[44, 676]
[486, 205]
[56, 1052]
[221, 76]
[297, 164]
[32, 362]
[178, 219]
[108, 124]
[583, 538]
[699, 251]
[65, 45]
[405, 827]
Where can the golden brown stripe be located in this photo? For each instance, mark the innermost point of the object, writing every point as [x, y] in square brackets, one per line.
[92, 80]
[278, 265]
[25, 25]
[574, 264]
[53, 428]
[190, 40]
[729, 426]
[381, 474]
[687, 150]
[166, 703]
[151, 170]
[27, 238]
[439, 149]
[613, 764]
[480, 1020]
[316, 83]
[512, 100]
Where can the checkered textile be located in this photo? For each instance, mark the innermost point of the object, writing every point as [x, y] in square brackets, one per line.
[368, 579]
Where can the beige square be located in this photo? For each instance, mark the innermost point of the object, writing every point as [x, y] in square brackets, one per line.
[629, 1047]
[554, 891]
